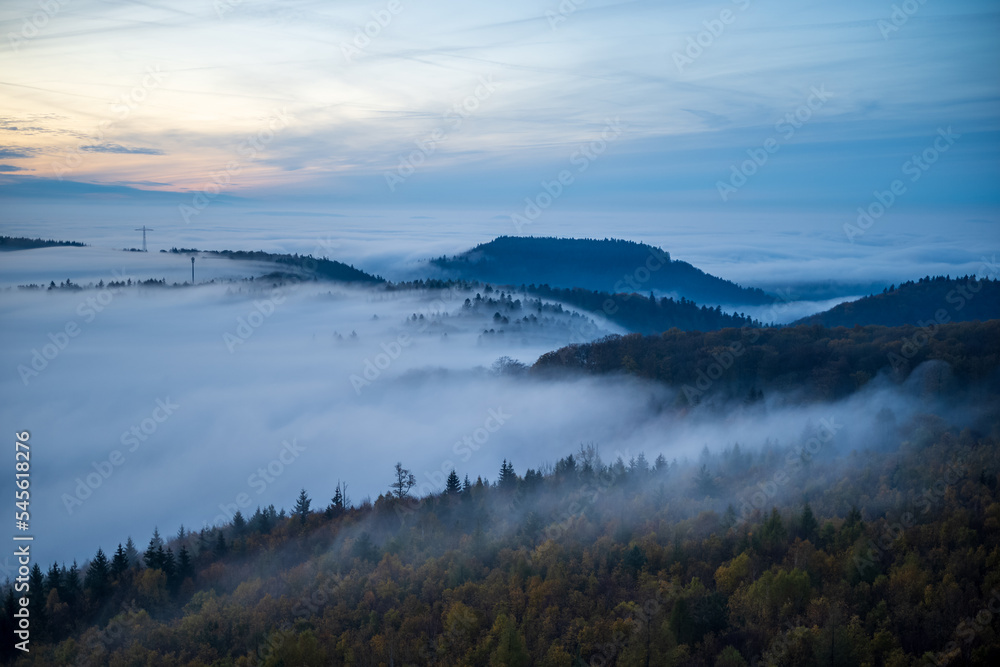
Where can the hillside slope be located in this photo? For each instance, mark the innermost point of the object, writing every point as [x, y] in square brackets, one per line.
[608, 265]
[939, 300]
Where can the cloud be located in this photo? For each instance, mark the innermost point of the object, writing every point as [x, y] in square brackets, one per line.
[7, 152]
[118, 148]
[10, 167]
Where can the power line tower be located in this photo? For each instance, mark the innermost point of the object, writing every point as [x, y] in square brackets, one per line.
[144, 229]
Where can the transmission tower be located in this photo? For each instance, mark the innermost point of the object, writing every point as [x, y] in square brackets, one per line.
[144, 229]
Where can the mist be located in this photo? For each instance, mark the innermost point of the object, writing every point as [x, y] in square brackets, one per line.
[245, 391]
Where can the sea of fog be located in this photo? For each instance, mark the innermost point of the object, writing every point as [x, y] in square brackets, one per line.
[159, 406]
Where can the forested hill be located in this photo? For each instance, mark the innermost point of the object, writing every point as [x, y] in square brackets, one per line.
[645, 314]
[812, 361]
[939, 300]
[817, 551]
[307, 265]
[609, 265]
[24, 243]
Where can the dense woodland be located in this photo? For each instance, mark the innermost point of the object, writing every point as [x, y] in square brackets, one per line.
[937, 300]
[299, 265]
[24, 243]
[810, 361]
[608, 265]
[834, 547]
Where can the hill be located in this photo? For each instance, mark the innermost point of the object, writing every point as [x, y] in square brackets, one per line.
[929, 300]
[835, 554]
[644, 314]
[608, 265]
[814, 362]
[24, 243]
[300, 265]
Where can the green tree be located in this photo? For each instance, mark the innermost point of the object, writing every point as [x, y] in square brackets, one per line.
[453, 486]
[301, 509]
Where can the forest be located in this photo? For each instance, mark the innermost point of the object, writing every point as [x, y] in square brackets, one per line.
[842, 545]
[961, 299]
[609, 265]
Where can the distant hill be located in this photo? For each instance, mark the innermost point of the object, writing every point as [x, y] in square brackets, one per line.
[818, 363]
[324, 269]
[645, 314]
[962, 300]
[609, 265]
[24, 243]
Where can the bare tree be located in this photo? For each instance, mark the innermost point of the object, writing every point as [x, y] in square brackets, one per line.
[404, 482]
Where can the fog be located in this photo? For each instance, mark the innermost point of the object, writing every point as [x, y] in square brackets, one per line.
[163, 406]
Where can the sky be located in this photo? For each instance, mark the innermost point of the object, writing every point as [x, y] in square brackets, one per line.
[740, 116]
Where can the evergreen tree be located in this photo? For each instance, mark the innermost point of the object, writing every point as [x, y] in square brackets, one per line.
[239, 523]
[98, 575]
[154, 552]
[132, 553]
[220, 545]
[53, 579]
[71, 585]
[185, 568]
[453, 486]
[301, 509]
[119, 562]
[339, 501]
[809, 523]
[508, 478]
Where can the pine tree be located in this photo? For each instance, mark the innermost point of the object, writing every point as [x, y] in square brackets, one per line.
[239, 523]
[338, 502]
[185, 568]
[132, 553]
[119, 562]
[302, 506]
[508, 478]
[98, 575]
[220, 545]
[453, 486]
[809, 523]
[154, 552]
[53, 579]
